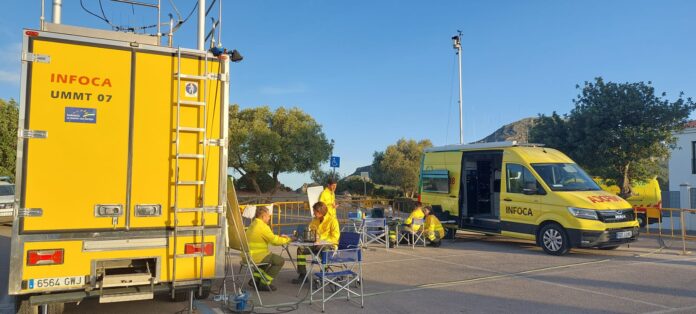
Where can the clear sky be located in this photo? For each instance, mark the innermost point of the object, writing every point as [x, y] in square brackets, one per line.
[372, 72]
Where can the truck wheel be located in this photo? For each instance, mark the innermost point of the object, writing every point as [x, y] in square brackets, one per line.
[205, 295]
[642, 220]
[554, 240]
[183, 295]
[54, 308]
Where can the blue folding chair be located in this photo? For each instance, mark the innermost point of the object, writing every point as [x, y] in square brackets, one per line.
[375, 230]
[338, 270]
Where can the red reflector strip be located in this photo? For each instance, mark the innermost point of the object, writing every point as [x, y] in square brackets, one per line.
[45, 257]
[32, 33]
[191, 248]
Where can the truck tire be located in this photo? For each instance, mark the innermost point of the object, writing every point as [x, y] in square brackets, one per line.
[642, 220]
[183, 295]
[554, 239]
[54, 308]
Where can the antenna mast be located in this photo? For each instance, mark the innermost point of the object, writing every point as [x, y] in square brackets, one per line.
[457, 44]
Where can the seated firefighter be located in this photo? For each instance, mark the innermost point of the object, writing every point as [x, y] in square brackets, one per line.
[417, 213]
[432, 228]
[326, 228]
[260, 236]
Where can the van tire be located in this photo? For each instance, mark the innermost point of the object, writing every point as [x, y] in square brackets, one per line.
[554, 239]
[642, 220]
[53, 308]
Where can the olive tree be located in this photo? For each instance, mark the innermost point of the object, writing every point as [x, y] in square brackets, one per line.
[618, 131]
[269, 142]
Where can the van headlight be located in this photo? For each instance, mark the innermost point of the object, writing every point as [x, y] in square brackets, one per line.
[583, 213]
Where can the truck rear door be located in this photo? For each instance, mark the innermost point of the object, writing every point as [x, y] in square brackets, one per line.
[80, 95]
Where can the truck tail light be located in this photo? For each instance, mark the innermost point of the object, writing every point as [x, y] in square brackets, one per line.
[45, 257]
[206, 248]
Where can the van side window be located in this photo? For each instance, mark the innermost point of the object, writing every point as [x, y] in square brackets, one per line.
[436, 181]
[519, 178]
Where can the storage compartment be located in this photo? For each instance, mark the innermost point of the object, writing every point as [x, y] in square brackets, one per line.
[126, 272]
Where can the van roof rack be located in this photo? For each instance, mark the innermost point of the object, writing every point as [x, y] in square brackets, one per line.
[457, 147]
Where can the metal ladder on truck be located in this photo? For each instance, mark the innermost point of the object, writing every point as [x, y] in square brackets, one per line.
[198, 182]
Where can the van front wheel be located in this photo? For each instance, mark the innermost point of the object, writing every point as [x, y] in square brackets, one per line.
[642, 220]
[554, 240]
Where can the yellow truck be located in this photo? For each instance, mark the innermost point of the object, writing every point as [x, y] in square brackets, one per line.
[646, 199]
[524, 191]
[121, 168]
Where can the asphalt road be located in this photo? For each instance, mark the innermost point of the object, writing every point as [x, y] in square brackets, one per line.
[481, 274]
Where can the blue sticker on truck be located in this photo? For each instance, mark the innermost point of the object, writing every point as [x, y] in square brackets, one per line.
[80, 115]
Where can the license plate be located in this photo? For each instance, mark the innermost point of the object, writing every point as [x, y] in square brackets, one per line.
[624, 234]
[56, 282]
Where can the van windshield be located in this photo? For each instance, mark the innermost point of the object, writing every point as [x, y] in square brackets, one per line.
[565, 177]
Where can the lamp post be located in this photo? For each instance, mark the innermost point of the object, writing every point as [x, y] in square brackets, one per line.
[457, 45]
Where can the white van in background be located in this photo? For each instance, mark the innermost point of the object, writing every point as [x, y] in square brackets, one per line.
[7, 194]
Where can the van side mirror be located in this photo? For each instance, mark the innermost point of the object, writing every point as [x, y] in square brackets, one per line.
[529, 191]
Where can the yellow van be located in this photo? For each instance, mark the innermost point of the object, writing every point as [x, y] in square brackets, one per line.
[646, 199]
[524, 191]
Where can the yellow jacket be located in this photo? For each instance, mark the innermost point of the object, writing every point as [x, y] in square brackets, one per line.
[328, 197]
[433, 225]
[415, 214]
[260, 236]
[327, 230]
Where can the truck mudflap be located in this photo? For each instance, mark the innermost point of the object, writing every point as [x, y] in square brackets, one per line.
[606, 238]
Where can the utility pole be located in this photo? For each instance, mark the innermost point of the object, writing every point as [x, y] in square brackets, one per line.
[457, 44]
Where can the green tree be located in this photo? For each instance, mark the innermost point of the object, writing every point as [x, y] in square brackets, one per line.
[322, 177]
[9, 113]
[355, 186]
[399, 165]
[273, 142]
[618, 131]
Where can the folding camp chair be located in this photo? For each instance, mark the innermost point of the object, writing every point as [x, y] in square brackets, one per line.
[338, 271]
[375, 230]
[252, 268]
[355, 223]
[239, 242]
[414, 237]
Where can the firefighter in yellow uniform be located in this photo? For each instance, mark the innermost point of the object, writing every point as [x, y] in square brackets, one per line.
[417, 213]
[432, 229]
[326, 229]
[328, 196]
[260, 236]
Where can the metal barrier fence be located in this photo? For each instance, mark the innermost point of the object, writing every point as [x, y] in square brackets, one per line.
[673, 224]
[288, 216]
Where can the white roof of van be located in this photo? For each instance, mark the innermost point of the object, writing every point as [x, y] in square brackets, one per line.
[458, 147]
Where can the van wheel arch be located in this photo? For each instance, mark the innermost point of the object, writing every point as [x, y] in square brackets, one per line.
[555, 231]
[540, 226]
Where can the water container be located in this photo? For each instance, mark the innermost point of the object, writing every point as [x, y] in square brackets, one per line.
[241, 300]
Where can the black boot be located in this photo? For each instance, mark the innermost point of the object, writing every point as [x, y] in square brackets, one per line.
[299, 279]
[263, 287]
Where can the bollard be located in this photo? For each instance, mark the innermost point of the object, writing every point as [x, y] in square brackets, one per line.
[683, 231]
